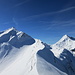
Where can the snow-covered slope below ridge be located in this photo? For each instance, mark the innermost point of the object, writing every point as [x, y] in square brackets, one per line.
[20, 54]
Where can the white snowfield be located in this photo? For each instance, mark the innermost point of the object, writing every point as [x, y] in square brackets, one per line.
[20, 54]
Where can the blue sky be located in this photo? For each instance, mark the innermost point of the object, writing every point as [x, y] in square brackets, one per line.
[47, 20]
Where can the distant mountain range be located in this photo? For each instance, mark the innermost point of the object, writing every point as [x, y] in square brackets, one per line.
[20, 54]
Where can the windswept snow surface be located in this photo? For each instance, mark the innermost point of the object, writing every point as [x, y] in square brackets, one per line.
[20, 54]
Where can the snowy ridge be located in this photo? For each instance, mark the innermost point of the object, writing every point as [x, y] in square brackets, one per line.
[20, 54]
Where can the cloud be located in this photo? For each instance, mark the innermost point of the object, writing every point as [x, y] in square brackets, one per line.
[21, 3]
[71, 32]
[14, 21]
[61, 24]
[62, 10]
[48, 13]
[67, 9]
[11, 22]
[6, 23]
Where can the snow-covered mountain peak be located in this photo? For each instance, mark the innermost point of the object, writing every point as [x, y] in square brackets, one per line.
[16, 38]
[66, 42]
[64, 38]
[11, 29]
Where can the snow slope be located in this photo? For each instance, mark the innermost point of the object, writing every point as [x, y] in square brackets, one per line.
[20, 54]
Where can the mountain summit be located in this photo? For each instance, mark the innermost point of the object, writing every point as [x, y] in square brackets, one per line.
[65, 42]
[20, 54]
[16, 38]
[66, 37]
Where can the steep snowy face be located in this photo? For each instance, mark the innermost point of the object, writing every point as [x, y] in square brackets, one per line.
[16, 38]
[66, 42]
